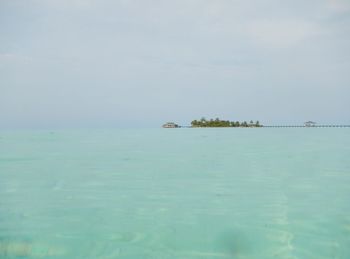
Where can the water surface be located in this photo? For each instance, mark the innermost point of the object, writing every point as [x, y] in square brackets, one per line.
[175, 193]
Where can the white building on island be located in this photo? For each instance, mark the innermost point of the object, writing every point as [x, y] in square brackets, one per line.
[170, 125]
[309, 124]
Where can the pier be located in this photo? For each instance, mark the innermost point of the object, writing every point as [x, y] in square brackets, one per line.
[281, 126]
[303, 126]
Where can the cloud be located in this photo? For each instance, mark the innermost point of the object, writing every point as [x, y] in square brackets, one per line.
[10, 57]
[339, 5]
[281, 34]
[6, 56]
[66, 4]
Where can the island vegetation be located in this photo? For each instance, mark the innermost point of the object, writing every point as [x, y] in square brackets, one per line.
[224, 123]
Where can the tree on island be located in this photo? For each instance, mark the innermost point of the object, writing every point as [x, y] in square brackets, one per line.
[222, 123]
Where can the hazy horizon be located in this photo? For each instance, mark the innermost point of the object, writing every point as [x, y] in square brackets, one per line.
[82, 64]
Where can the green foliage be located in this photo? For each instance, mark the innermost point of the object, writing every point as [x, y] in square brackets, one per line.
[222, 123]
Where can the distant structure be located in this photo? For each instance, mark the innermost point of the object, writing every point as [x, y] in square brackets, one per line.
[252, 124]
[170, 125]
[309, 124]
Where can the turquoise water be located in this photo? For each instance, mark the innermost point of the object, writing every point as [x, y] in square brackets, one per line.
[175, 193]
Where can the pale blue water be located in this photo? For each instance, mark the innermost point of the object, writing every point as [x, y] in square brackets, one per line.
[175, 193]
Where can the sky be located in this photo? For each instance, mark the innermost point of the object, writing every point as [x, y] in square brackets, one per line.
[140, 63]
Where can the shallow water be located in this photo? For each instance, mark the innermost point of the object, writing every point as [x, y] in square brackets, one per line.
[175, 193]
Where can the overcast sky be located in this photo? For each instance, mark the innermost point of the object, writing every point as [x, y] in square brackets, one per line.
[112, 63]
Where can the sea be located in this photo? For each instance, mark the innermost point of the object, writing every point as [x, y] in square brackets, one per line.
[175, 193]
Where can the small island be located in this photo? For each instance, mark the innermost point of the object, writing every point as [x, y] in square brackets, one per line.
[215, 123]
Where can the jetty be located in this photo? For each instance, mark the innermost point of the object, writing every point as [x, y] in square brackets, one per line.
[304, 126]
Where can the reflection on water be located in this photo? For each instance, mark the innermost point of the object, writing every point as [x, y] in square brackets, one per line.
[257, 193]
[11, 248]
